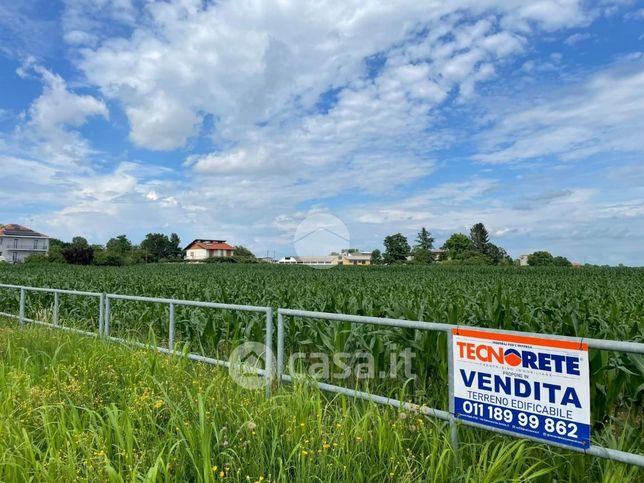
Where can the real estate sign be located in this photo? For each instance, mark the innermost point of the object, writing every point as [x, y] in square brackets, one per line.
[530, 386]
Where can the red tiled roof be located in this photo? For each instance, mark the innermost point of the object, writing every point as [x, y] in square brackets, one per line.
[18, 230]
[215, 246]
[210, 245]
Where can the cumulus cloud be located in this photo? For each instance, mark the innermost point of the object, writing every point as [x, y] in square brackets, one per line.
[261, 62]
[270, 109]
[57, 107]
[48, 128]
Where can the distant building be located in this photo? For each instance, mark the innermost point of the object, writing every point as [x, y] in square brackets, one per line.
[356, 258]
[330, 261]
[18, 242]
[523, 260]
[266, 259]
[438, 254]
[204, 249]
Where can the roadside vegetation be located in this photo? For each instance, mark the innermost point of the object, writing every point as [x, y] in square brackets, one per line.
[75, 408]
[81, 407]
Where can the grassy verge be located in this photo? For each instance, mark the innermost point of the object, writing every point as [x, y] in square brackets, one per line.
[73, 408]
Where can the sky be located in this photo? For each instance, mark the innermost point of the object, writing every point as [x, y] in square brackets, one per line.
[240, 120]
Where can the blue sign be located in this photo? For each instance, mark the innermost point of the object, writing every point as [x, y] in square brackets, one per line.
[526, 385]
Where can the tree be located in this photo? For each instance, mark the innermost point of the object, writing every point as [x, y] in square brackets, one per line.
[498, 255]
[119, 245]
[540, 259]
[457, 244]
[422, 251]
[396, 249]
[561, 262]
[156, 246]
[55, 248]
[424, 240]
[480, 237]
[79, 241]
[244, 255]
[472, 257]
[175, 246]
[108, 258]
[79, 252]
[376, 257]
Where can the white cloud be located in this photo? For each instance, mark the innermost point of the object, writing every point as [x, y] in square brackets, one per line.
[635, 15]
[47, 129]
[239, 161]
[260, 62]
[317, 103]
[86, 22]
[576, 38]
[603, 114]
[58, 107]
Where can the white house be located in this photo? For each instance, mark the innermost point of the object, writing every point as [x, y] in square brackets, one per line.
[523, 260]
[18, 242]
[203, 249]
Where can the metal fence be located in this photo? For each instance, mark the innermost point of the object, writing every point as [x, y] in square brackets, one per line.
[105, 314]
[105, 317]
[611, 345]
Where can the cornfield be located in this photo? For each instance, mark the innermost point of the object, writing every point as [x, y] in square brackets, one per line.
[589, 302]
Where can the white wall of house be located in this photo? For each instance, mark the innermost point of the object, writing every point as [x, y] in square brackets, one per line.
[196, 254]
[14, 249]
[202, 253]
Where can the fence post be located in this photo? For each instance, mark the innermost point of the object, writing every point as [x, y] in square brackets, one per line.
[56, 308]
[106, 322]
[171, 331]
[280, 346]
[101, 313]
[22, 305]
[450, 378]
[269, 350]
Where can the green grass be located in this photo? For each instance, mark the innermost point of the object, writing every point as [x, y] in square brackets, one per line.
[74, 408]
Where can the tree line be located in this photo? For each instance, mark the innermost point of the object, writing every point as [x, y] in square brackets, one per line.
[118, 251]
[458, 249]
[155, 247]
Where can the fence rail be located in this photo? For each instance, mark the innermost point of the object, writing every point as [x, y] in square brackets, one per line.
[105, 315]
[600, 344]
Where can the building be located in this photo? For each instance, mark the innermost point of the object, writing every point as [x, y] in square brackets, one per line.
[356, 258]
[266, 260]
[204, 249]
[18, 242]
[523, 260]
[328, 261]
[439, 254]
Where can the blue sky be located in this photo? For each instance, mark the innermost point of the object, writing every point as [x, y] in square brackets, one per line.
[241, 119]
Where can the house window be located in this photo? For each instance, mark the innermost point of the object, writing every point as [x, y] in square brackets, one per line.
[35, 244]
[15, 243]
